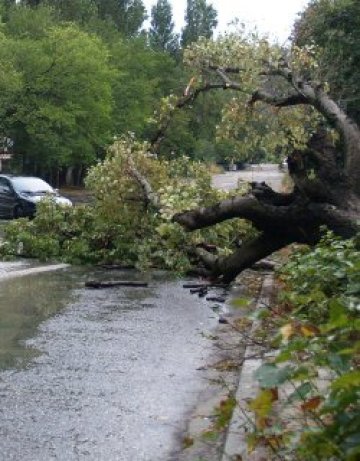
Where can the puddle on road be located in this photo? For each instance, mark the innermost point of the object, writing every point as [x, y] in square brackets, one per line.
[24, 303]
[27, 301]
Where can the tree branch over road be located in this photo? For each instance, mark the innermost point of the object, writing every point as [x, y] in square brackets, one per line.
[325, 173]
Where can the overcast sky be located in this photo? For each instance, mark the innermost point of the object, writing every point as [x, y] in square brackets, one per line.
[269, 16]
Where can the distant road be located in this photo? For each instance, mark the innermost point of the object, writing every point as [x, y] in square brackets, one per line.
[266, 172]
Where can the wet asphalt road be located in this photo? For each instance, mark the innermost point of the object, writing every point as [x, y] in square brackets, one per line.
[105, 374]
[269, 173]
[115, 375]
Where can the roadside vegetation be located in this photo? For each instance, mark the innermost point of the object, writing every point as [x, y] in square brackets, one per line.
[308, 403]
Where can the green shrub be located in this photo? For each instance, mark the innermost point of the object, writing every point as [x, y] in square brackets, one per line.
[319, 356]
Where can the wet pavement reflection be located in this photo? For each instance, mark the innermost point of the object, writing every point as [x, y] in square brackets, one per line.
[116, 370]
[24, 303]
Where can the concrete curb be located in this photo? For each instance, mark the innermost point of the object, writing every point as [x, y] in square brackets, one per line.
[235, 448]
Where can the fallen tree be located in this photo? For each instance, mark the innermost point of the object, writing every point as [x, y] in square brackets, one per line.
[324, 167]
[143, 204]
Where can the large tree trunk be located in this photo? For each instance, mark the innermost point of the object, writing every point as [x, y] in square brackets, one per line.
[329, 198]
[281, 219]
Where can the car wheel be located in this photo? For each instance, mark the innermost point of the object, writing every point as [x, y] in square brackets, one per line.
[18, 212]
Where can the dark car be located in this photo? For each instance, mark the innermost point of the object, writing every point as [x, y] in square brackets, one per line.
[20, 194]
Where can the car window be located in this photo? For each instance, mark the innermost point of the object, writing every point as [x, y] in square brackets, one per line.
[25, 184]
[4, 186]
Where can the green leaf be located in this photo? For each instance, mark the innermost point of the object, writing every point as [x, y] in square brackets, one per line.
[300, 392]
[348, 380]
[269, 375]
[283, 356]
[338, 316]
[240, 302]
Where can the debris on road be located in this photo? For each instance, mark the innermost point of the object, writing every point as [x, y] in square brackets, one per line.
[115, 283]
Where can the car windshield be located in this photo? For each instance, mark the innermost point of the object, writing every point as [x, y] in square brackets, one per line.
[31, 185]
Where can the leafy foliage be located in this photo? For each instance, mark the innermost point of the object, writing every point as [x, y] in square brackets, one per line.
[142, 78]
[319, 352]
[332, 28]
[161, 33]
[126, 15]
[63, 79]
[200, 21]
[255, 129]
[119, 227]
[59, 130]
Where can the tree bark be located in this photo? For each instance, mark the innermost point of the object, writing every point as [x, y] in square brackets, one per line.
[279, 225]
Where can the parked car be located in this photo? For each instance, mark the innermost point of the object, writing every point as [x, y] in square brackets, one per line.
[20, 194]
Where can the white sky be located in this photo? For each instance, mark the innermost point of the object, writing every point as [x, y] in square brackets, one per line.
[274, 17]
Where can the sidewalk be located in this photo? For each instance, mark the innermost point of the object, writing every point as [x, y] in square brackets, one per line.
[209, 436]
[235, 448]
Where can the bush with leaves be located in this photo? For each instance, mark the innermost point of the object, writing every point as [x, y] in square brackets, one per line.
[177, 185]
[56, 232]
[121, 226]
[317, 367]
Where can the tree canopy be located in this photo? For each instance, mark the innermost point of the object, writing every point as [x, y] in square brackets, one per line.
[282, 91]
[64, 79]
[200, 21]
[139, 68]
[161, 34]
[332, 29]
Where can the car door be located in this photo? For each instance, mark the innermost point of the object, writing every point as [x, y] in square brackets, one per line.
[7, 198]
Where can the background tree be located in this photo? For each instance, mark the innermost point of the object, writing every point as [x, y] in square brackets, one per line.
[5, 5]
[144, 77]
[60, 114]
[127, 15]
[333, 27]
[161, 33]
[61, 117]
[31, 2]
[80, 11]
[200, 21]
[10, 85]
[32, 23]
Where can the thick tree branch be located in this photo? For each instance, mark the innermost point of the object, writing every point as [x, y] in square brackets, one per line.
[229, 83]
[263, 214]
[279, 226]
[292, 99]
[188, 98]
[228, 70]
[266, 194]
[314, 94]
[150, 197]
[306, 92]
[349, 132]
[300, 219]
[227, 268]
[244, 207]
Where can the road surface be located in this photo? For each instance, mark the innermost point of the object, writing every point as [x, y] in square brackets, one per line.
[110, 375]
[103, 374]
[266, 172]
